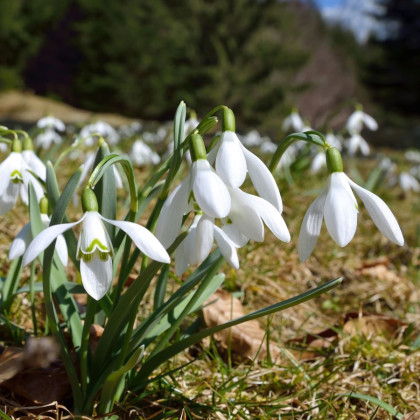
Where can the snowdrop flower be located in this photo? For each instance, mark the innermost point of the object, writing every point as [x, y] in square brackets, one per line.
[334, 141]
[234, 161]
[94, 247]
[15, 178]
[244, 222]
[195, 248]
[141, 154]
[47, 138]
[102, 128]
[24, 237]
[408, 182]
[51, 122]
[356, 143]
[358, 119]
[247, 214]
[415, 171]
[412, 156]
[318, 162]
[155, 137]
[268, 147]
[202, 187]
[293, 122]
[337, 205]
[252, 139]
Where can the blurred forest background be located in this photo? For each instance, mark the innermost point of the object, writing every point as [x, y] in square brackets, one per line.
[260, 57]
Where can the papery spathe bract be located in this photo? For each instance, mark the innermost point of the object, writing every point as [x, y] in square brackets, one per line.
[338, 206]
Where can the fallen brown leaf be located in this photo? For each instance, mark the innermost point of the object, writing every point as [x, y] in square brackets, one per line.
[412, 416]
[247, 339]
[352, 324]
[34, 372]
[11, 361]
[374, 325]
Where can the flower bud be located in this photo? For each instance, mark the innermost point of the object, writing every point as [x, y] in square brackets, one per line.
[89, 201]
[43, 205]
[334, 161]
[228, 120]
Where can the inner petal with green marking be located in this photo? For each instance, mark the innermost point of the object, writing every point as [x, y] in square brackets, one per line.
[16, 176]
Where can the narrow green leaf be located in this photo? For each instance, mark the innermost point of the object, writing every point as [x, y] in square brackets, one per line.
[391, 410]
[106, 191]
[176, 314]
[152, 363]
[112, 159]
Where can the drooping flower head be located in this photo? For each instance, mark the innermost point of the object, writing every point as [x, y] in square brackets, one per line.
[293, 122]
[337, 205]
[233, 161]
[15, 176]
[358, 119]
[202, 189]
[94, 247]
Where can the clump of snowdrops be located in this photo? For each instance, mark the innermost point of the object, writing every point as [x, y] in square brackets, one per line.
[197, 224]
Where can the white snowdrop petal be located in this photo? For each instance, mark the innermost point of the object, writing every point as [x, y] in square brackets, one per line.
[210, 192]
[226, 247]
[170, 218]
[311, 226]
[380, 213]
[62, 251]
[230, 161]
[272, 218]
[21, 242]
[9, 197]
[370, 122]
[263, 180]
[143, 239]
[35, 163]
[181, 262]
[44, 239]
[236, 237]
[244, 216]
[96, 276]
[203, 240]
[340, 212]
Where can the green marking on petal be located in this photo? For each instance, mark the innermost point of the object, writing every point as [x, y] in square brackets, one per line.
[16, 176]
[97, 243]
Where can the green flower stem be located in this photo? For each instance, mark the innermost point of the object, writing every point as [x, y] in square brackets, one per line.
[84, 348]
[313, 137]
[32, 297]
[5, 133]
[128, 170]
